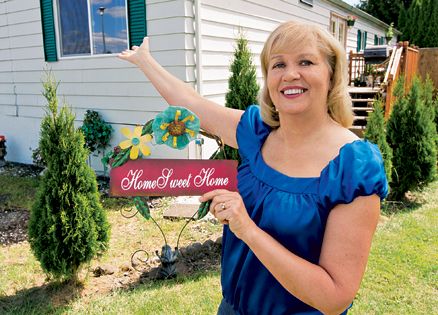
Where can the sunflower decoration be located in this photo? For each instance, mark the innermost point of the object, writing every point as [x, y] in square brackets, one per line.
[136, 142]
[176, 127]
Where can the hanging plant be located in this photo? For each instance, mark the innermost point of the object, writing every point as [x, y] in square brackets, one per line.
[351, 19]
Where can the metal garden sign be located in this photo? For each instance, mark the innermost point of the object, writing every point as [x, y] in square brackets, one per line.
[140, 178]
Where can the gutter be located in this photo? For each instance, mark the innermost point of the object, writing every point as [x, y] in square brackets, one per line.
[362, 14]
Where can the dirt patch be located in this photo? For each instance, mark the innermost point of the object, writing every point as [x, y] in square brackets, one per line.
[13, 226]
[20, 170]
[192, 259]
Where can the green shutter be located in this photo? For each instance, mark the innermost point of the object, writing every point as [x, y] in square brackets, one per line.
[365, 40]
[48, 24]
[382, 40]
[376, 40]
[359, 40]
[137, 21]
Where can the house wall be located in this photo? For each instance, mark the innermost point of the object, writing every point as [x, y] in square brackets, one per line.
[114, 88]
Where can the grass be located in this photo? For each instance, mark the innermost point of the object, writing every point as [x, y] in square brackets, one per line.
[402, 273]
[401, 277]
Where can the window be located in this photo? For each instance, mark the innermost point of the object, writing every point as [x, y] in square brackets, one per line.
[338, 28]
[91, 27]
[376, 40]
[361, 40]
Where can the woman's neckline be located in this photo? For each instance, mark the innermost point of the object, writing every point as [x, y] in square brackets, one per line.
[333, 160]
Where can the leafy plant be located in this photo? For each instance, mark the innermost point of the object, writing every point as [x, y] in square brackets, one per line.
[97, 132]
[67, 225]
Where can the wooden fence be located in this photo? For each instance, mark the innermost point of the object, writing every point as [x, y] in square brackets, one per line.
[428, 64]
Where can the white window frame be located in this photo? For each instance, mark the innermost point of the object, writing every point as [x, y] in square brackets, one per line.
[90, 31]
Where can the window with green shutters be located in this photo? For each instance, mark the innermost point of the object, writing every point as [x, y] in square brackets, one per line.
[91, 27]
[376, 40]
[361, 40]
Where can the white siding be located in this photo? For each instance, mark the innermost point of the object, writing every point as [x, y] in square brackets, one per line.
[116, 89]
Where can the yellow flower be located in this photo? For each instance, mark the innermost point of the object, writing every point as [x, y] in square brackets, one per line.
[136, 142]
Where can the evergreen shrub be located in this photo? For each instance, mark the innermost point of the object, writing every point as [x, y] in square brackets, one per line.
[376, 133]
[242, 87]
[412, 136]
[68, 226]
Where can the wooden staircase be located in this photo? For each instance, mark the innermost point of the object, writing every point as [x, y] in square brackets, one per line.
[362, 98]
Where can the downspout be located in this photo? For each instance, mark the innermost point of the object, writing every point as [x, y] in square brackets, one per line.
[198, 49]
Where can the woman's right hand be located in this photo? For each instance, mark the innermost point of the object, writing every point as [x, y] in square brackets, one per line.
[136, 53]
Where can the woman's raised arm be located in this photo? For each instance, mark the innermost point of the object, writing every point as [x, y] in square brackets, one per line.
[216, 119]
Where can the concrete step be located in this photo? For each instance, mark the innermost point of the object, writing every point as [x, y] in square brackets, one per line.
[360, 117]
[367, 109]
[368, 100]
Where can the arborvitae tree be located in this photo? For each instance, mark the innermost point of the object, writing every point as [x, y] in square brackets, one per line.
[242, 86]
[411, 134]
[431, 104]
[420, 23]
[68, 226]
[431, 31]
[402, 20]
[376, 133]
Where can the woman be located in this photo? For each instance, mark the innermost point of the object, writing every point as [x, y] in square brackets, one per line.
[298, 233]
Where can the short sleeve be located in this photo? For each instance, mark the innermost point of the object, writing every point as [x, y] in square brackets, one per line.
[358, 170]
[251, 132]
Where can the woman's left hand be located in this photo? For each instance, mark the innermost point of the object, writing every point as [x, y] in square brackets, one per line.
[228, 208]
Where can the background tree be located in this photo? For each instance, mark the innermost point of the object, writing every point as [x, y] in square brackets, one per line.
[411, 135]
[385, 10]
[242, 86]
[419, 23]
[68, 225]
[376, 133]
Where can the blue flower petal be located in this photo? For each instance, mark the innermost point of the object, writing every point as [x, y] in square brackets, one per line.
[168, 116]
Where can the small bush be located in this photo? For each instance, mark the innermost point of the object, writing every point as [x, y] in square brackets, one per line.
[97, 132]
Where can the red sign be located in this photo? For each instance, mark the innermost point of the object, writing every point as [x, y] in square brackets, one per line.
[158, 177]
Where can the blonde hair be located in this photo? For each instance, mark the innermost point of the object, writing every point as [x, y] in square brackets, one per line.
[294, 34]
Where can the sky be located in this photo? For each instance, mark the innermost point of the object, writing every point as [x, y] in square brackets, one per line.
[352, 2]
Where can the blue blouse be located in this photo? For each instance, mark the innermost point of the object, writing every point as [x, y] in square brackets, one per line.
[292, 210]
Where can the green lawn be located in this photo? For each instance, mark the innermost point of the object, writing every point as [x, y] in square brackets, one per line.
[401, 277]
